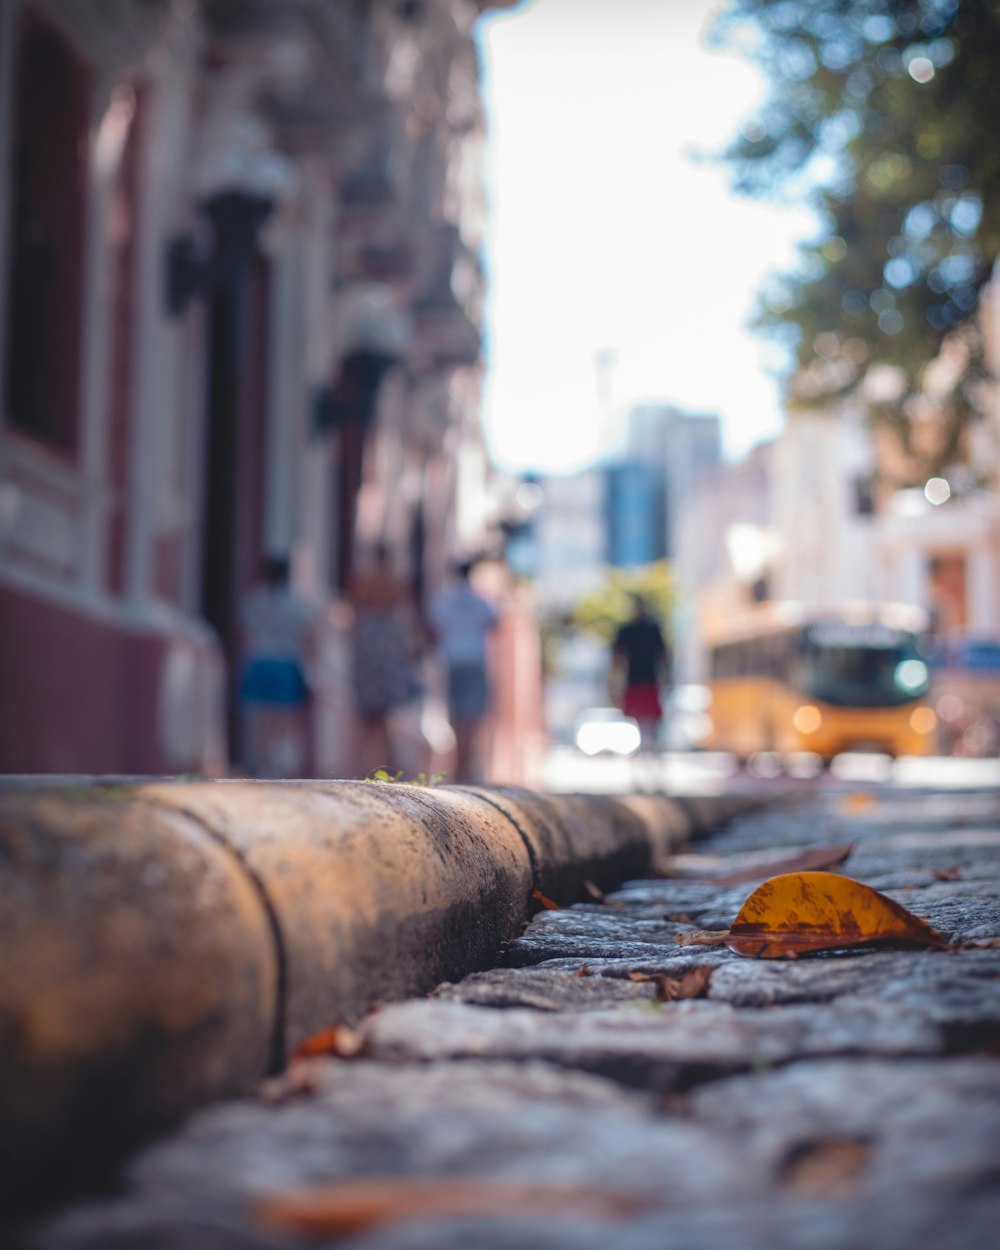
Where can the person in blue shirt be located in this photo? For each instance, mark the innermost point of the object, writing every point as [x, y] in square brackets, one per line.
[461, 621]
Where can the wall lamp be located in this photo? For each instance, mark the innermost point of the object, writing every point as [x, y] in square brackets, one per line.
[188, 272]
[193, 266]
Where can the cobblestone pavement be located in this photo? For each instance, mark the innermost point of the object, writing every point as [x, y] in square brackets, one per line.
[836, 1102]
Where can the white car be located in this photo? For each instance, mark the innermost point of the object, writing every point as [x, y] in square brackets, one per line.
[606, 731]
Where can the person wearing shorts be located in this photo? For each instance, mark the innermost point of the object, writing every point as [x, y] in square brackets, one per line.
[461, 621]
[383, 656]
[276, 630]
[643, 659]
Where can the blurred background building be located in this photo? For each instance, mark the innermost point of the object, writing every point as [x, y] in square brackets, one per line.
[242, 252]
[850, 510]
[838, 508]
[242, 316]
[835, 509]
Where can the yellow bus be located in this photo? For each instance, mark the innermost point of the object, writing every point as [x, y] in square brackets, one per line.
[788, 678]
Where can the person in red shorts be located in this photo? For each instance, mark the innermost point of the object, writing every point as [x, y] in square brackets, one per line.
[643, 661]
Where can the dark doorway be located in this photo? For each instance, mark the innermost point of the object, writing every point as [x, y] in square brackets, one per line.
[236, 438]
[47, 179]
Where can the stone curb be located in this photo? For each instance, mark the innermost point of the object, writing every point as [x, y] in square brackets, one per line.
[168, 943]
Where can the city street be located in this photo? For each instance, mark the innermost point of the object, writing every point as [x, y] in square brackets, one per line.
[568, 771]
[413, 412]
[609, 1084]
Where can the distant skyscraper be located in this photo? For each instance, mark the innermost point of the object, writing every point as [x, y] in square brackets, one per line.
[569, 531]
[635, 529]
[669, 453]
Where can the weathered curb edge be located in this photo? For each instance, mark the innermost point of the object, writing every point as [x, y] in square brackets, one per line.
[167, 943]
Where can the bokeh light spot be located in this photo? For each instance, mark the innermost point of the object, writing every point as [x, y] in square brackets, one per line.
[937, 491]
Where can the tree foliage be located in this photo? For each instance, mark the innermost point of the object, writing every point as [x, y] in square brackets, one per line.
[604, 610]
[887, 110]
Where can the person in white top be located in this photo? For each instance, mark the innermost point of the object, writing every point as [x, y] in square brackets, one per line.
[461, 621]
[277, 633]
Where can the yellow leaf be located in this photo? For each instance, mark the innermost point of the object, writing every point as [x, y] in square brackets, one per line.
[814, 911]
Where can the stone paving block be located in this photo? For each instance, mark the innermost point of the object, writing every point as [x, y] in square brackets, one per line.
[959, 991]
[652, 899]
[685, 904]
[922, 1123]
[923, 871]
[903, 821]
[599, 932]
[731, 1142]
[672, 961]
[552, 945]
[545, 990]
[475, 1119]
[932, 981]
[962, 917]
[652, 1046]
[906, 1223]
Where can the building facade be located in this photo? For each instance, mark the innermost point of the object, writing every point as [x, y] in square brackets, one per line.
[241, 316]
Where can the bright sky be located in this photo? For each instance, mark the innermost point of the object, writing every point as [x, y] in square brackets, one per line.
[605, 233]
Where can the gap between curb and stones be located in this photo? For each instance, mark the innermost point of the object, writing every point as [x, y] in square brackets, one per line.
[168, 943]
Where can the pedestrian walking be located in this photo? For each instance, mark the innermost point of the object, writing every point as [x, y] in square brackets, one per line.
[277, 636]
[384, 654]
[642, 662]
[461, 622]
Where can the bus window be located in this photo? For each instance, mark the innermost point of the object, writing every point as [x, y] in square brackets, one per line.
[862, 675]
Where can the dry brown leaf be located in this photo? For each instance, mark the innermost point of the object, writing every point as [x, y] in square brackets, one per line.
[338, 1040]
[948, 874]
[798, 912]
[583, 971]
[350, 1207]
[690, 984]
[545, 904]
[831, 1168]
[702, 937]
[694, 983]
[814, 859]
